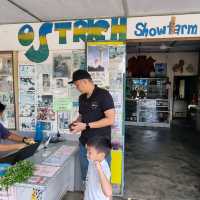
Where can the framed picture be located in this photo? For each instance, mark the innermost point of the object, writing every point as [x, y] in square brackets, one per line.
[161, 69]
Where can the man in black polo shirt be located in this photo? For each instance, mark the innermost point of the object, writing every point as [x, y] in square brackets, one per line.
[96, 113]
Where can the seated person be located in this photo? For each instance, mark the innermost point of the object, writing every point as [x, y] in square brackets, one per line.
[6, 134]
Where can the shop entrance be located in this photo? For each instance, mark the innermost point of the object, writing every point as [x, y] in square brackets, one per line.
[162, 82]
[161, 118]
[185, 99]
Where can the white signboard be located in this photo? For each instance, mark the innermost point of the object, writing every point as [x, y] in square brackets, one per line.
[163, 26]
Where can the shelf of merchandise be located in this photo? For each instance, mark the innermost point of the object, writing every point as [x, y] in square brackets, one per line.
[154, 112]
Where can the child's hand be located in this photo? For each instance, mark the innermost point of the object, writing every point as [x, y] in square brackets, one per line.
[98, 165]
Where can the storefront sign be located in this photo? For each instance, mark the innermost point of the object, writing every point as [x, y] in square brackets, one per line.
[163, 27]
[36, 40]
[68, 32]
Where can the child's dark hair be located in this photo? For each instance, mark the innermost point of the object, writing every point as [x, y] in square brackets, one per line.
[100, 144]
[2, 107]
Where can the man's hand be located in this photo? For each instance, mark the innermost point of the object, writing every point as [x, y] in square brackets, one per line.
[78, 127]
[29, 141]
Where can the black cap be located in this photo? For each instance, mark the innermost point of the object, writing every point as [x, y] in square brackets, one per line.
[79, 75]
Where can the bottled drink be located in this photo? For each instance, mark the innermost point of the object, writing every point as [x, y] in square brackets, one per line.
[39, 132]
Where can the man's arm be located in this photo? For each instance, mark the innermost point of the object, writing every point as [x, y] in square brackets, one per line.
[6, 134]
[11, 147]
[105, 183]
[15, 137]
[108, 120]
[107, 105]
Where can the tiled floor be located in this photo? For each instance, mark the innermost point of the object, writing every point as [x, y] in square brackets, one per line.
[161, 164]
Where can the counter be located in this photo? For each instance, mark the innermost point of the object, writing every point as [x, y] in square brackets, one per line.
[57, 171]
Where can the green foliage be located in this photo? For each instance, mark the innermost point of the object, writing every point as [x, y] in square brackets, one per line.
[17, 173]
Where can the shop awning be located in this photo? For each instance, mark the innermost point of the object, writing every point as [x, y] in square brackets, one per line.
[21, 11]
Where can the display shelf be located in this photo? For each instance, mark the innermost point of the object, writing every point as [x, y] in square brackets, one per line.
[153, 108]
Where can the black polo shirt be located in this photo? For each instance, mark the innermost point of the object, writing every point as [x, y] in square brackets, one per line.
[92, 109]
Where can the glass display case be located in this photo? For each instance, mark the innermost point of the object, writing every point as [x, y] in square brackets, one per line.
[150, 88]
[147, 102]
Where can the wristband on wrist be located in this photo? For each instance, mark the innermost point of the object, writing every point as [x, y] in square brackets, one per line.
[87, 126]
[23, 140]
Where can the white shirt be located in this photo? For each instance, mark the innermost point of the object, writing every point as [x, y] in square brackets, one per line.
[93, 186]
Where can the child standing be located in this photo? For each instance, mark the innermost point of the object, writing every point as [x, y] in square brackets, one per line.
[98, 186]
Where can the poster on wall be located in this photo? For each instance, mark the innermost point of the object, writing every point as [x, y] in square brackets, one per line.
[115, 80]
[116, 67]
[64, 121]
[62, 63]
[45, 112]
[41, 83]
[98, 63]
[60, 86]
[27, 105]
[160, 69]
[27, 108]
[27, 123]
[79, 61]
[62, 70]
[45, 100]
[6, 84]
[61, 104]
[27, 80]
[47, 125]
[117, 58]
[44, 78]
[7, 90]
